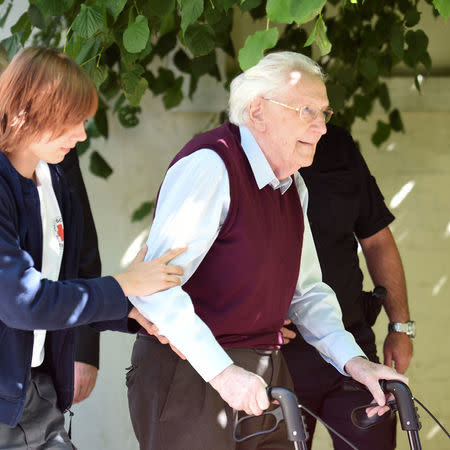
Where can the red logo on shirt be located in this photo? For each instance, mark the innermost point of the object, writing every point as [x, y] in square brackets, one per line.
[60, 231]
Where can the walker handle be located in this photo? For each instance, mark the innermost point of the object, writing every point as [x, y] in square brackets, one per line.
[295, 426]
[404, 403]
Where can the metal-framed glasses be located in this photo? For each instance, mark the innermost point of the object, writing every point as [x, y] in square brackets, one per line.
[306, 113]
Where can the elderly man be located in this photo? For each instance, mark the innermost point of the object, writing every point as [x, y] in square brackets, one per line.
[234, 196]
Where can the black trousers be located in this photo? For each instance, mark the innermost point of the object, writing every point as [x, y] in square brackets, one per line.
[173, 408]
[319, 386]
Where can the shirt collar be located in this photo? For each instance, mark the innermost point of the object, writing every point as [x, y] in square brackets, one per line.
[262, 171]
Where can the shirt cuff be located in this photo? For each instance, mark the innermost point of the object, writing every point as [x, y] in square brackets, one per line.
[344, 348]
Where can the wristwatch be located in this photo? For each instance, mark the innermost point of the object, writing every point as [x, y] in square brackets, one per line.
[403, 327]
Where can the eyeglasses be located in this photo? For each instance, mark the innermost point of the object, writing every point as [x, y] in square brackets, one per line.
[307, 113]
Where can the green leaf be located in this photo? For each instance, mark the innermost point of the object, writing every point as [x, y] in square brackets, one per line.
[134, 86]
[98, 166]
[288, 11]
[165, 44]
[92, 130]
[163, 82]
[319, 35]
[383, 96]
[22, 25]
[337, 95]
[412, 17]
[98, 74]
[362, 105]
[395, 121]
[88, 21]
[136, 36]
[12, 44]
[443, 6]
[174, 94]
[168, 24]
[36, 17]
[182, 61]
[368, 67]
[191, 10]
[101, 121]
[417, 46]
[247, 5]
[227, 4]
[199, 38]
[111, 86]
[213, 13]
[115, 7]
[426, 61]
[128, 115]
[6, 14]
[160, 7]
[53, 7]
[255, 46]
[381, 134]
[200, 66]
[143, 211]
[82, 147]
[397, 42]
[417, 42]
[81, 50]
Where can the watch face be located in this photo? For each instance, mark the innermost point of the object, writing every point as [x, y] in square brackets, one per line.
[411, 329]
[408, 327]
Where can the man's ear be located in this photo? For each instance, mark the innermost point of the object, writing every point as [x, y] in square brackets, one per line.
[256, 114]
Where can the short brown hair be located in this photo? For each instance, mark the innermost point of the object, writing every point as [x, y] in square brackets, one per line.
[42, 90]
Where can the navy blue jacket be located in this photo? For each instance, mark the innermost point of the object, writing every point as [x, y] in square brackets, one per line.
[28, 302]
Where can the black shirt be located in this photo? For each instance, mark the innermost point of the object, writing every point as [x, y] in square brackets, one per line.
[344, 202]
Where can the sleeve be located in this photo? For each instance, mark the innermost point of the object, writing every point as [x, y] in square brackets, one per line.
[374, 215]
[30, 302]
[192, 206]
[315, 309]
[87, 340]
[87, 345]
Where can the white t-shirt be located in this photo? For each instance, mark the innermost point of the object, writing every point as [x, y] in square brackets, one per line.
[52, 245]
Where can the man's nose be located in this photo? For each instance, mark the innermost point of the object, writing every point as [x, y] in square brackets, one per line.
[319, 124]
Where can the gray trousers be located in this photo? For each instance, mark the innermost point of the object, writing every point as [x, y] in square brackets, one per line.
[172, 408]
[41, 426]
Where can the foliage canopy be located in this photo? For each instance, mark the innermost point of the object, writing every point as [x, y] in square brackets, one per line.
[131, 46]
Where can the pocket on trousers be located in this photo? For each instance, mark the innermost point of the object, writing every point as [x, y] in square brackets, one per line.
[130, 371]
[45, 388]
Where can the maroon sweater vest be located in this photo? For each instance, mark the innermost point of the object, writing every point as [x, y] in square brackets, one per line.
[245, 284]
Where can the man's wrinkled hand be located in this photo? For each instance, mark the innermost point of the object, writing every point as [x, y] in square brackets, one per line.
[242, 390]
[369, 374]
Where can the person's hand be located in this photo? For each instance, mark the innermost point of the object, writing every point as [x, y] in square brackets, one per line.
[153, 330]
[369, 374]
[147, 277]
[398, 350]
[85, 377]
[287, 333]
[242, 390]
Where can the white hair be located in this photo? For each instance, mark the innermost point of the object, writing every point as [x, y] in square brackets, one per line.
[270, 75]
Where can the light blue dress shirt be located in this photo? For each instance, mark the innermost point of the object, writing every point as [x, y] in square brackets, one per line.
[193, 203]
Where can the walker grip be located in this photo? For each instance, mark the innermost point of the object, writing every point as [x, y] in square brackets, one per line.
[293, 418]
